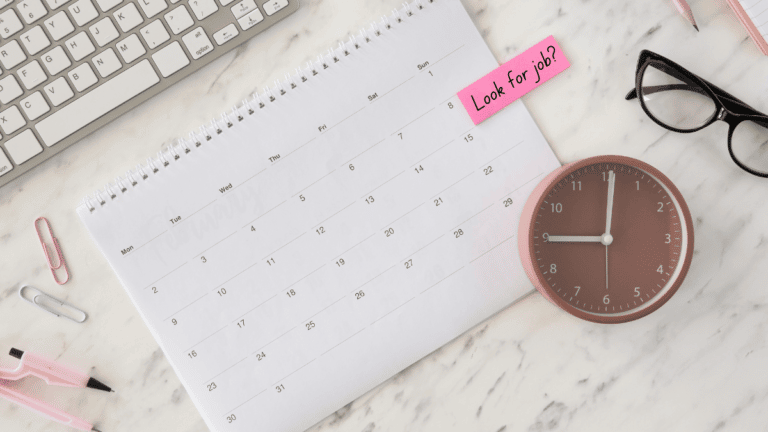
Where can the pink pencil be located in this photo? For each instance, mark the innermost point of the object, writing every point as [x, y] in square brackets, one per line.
[53, 374]
[685, 11]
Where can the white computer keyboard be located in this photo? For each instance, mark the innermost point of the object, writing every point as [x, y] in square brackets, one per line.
[69, 67]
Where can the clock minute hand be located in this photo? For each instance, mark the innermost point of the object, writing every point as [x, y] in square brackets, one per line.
[609, 209]
[574, 239]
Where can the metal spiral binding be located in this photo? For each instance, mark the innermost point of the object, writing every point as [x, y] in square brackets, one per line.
[248, 106]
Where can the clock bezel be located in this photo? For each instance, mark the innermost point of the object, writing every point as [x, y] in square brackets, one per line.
[526, 240]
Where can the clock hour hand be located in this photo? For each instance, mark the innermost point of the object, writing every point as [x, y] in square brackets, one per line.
[574, 239]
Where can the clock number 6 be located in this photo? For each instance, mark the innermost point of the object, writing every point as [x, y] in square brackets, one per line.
[606, 300]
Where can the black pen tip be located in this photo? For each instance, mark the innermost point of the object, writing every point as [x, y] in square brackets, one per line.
[95, 384]
[696, 27]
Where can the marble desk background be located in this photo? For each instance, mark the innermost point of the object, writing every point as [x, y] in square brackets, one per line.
[700, 363]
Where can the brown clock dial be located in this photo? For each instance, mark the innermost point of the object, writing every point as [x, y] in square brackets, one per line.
[608, 239]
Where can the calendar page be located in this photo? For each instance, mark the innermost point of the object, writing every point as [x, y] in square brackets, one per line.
[334, 236]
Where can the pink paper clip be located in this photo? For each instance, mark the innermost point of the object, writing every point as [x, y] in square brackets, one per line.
[61, 264]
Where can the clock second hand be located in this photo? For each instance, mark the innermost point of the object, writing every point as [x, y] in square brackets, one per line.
[607, 238]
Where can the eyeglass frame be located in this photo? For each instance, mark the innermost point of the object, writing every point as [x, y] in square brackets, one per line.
[728, 108]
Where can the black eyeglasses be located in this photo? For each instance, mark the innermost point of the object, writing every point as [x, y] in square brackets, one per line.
[680, 101]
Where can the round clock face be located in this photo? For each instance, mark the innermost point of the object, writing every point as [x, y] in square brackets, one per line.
[608, 239]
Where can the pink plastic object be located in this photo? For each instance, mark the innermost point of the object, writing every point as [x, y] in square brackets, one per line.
[61, 263]
[53, 374]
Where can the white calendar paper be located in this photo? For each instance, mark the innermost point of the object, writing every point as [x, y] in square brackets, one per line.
[335, 236]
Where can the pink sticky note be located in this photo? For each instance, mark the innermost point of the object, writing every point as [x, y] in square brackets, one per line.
[507, 83]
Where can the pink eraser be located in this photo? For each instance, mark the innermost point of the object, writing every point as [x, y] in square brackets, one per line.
[507, 83]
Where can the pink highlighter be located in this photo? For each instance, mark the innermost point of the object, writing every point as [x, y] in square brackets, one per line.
[52, 373]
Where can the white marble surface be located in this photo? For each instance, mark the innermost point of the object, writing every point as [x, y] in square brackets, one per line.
[699, 363]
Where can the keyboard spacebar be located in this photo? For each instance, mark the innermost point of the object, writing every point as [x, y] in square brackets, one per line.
[96, 103]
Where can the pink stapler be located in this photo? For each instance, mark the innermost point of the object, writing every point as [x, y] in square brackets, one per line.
[53, 374]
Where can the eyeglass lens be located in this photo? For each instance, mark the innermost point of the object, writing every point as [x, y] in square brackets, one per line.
[673, 99]
[749, 143]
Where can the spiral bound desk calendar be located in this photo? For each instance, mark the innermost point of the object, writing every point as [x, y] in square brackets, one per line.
[250, 106]
[331, 230]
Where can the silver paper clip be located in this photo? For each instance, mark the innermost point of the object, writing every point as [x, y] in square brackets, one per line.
[61, 264]
[48, 303]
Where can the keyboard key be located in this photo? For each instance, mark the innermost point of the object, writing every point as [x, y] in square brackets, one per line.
[11, 54]
[179, 19]
[31, 10]
[58, 91]
[241, 9]
[9, 23]
[55, 4]
[153, 7]
[35, 40]
[82, 77]
[4, 3]
[225, 35]
[104, 31]
[250, 20]
[23, 146]
[59, 25]
[11, 120]
[130, 48]
[9, 89]
[34, 105]
[273, 6]
[107, 63]
[170, 59]
[155, 34]
[106, 5]
[203, 8]
[225, 2]
[56, 60]
[5, 164]
[197, 43]
[31, 75]
[80, 46]
[83, 11]
[97, 102]
[128, 17]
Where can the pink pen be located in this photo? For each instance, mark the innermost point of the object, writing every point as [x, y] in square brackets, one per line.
[53, 374]
[685, 11]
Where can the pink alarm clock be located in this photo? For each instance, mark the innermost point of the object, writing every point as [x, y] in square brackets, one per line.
[608, 239]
